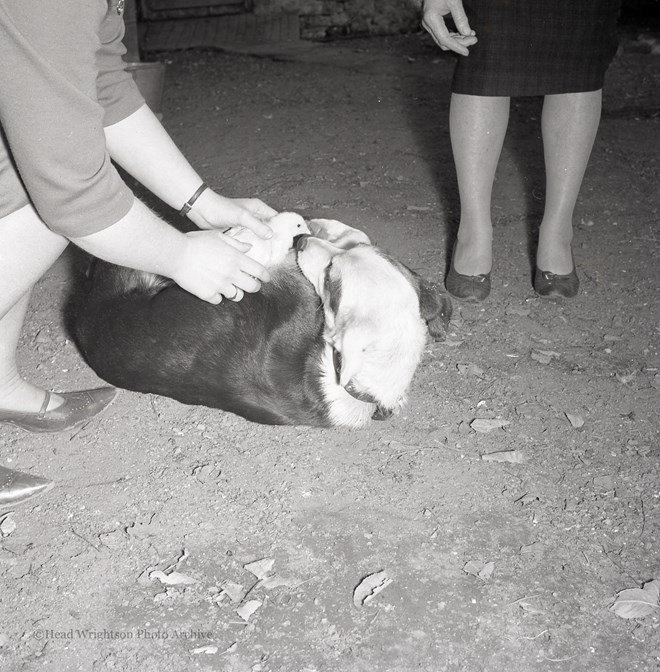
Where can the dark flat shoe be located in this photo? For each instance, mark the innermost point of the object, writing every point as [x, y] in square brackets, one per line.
[17, 487]
[76, 408]
[466, 287]
[551, 285]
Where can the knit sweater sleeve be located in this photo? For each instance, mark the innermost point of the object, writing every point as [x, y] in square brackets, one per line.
[60, 83]
[116, 89]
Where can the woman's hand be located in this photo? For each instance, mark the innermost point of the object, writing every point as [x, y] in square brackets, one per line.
[433, 22]
[208, 264]
[212, 211]
[212, 265]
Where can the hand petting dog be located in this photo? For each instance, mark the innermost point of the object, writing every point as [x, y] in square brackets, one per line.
[270, 252]
[212, 211]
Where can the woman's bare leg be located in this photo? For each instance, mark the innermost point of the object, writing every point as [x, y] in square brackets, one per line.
[569, 125]
[477, 126]
[27, 250]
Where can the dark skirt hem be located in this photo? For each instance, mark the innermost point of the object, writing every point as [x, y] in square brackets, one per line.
[536, 47]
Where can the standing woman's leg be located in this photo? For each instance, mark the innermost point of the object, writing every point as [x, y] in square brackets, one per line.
[27, 250]
[477, 126]
[569, 125]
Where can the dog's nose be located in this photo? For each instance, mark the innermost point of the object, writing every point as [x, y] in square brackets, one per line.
[300, 241]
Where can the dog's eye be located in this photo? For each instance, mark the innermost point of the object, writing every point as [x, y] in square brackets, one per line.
[359, 394]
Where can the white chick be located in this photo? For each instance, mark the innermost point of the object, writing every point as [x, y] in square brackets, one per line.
[269, 253]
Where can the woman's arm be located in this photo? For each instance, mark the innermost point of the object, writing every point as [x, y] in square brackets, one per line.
[141, 146]
[206, 263]
[53, 125]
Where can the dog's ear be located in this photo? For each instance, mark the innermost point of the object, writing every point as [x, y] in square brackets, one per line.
[435, 309]
[338, 233]
[434, 304]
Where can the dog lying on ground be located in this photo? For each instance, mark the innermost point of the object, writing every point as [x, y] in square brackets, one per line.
[332, 340]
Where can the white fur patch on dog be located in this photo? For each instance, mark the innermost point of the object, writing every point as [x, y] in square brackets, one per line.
[343, 409]
[372, 312]
[378, 328]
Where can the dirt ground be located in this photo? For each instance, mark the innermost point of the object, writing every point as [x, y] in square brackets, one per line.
[494, 566]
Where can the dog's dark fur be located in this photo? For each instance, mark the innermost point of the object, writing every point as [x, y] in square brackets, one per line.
[259, 358]
[256, 357]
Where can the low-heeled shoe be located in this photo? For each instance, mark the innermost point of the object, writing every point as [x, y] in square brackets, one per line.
[76, 408]
[467, 287]
[551, 285]
[17, 487]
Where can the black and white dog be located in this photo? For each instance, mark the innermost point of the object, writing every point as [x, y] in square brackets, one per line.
[332, 340]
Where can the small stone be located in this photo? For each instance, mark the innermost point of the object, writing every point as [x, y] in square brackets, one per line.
[604, 483]
[7, 526]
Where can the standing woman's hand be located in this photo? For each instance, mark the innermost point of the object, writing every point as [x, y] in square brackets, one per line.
[433, 13]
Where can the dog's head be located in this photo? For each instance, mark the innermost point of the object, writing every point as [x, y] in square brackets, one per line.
[377, 312]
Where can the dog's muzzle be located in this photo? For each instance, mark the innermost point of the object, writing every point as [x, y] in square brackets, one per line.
[381, 413]
[359, 394]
